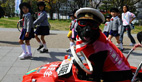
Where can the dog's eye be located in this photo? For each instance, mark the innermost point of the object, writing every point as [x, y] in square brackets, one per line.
[82, 22]
[85, 23]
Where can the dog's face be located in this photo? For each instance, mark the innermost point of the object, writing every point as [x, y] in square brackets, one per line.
[88, 30]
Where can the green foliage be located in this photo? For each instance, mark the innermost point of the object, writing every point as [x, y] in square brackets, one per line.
[0, 2]
[9, 7]
[1, 12]
[107, 4]
[33, 4]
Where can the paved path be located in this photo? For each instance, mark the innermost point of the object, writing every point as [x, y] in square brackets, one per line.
[12, 69]
[10, 37]
[57, 39]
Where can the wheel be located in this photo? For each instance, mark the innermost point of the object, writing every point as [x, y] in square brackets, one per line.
[19, 25]
[80, 63]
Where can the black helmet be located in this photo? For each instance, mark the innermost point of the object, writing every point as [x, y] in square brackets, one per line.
[114, 10]
[108, 16]
[24, 4]
[41, 3]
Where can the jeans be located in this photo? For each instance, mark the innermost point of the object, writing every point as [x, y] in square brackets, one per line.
[128, 30]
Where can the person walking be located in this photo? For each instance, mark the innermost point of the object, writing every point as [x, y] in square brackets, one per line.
[107, 25]
[115, 24]
[72, 33]
[27, 31]
[43, 27]
[127, 18]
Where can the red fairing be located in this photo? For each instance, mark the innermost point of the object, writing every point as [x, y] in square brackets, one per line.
[115, 60]
[45, 73]
[48, 73]
[74, 78]
[134, 69]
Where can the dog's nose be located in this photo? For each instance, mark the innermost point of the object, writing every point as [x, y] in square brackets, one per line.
[87, 30]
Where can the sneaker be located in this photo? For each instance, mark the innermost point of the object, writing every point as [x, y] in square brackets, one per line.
[41, 46]
[29, 56]
[117, 44]
[132, 44]
[68, 50]
[23, 56]
[44, 51]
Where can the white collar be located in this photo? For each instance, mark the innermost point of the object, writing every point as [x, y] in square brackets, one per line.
[41, 11]
[126, 12]
[115, 17]
[26, 14]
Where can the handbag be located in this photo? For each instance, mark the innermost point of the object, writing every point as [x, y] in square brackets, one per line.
[131, 26]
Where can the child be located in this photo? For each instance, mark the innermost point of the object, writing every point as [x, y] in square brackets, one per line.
[72, 33]
[115, 24]
[27, 31]
[43, 28]
[127, 18]
[107, 25]
[109, 63]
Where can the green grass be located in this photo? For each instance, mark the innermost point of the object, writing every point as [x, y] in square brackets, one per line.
[13, 18]
[60, 24]
[55, 24]
[137, 29]
[8, 22]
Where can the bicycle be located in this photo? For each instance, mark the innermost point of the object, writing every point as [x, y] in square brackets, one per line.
[20, 25]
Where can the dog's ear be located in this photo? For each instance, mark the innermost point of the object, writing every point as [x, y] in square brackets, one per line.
[139, 37]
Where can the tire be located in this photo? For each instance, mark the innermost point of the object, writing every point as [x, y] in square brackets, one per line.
[19, 25]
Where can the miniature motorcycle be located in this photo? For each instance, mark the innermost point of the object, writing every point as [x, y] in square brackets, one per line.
[68, 70]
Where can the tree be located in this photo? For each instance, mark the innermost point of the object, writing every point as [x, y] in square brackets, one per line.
[33, 4]
[58, 6]
[105, 7]
[108, 4]
[119, 3]
[80, 3]
[51, 7]
[1, 12]
[0, 2]
[95, 3]
[76, 4]
[9, 7]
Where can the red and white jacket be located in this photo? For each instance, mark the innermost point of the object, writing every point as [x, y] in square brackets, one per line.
[115, 60]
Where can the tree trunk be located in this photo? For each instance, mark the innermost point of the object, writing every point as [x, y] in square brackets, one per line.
[51, 14]
[58, 14]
